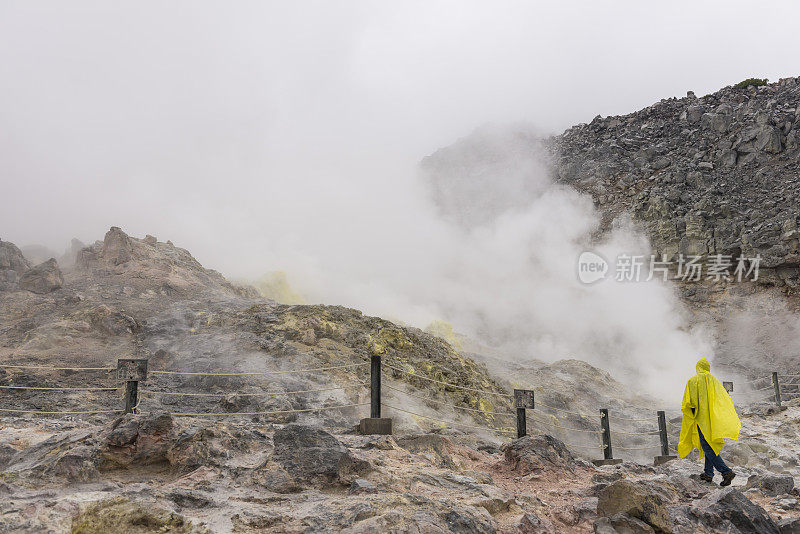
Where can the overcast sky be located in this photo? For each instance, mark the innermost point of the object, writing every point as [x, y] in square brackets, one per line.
[241, 130]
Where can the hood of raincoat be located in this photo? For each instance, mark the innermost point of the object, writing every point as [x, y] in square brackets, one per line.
[706, 404]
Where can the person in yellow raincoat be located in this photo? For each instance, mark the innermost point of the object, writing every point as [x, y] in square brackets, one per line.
[708, 418]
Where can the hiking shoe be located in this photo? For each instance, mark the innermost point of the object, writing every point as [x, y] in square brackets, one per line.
[727, 478]
[707, 478]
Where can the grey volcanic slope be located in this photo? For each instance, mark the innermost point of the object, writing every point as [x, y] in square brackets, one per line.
[711, 175]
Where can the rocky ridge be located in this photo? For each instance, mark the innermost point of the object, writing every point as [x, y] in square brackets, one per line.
[711, 175]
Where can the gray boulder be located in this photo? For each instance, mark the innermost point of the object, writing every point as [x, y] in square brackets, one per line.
[12, 264]
[42, 279]
[770, 484]
[535, 453]
[361, 486]
[645, 500]
[727, 510]
[11, 258]
[769, 140]
[790, 525]
[117, 248]
[310, 454]
[531, 523]
[621, 524]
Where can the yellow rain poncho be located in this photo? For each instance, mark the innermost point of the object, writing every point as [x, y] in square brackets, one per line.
[706, 404]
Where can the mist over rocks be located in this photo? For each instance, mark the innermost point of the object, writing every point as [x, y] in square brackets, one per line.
[693, 176]
[43, 278]
[305, 471]
[12, 264]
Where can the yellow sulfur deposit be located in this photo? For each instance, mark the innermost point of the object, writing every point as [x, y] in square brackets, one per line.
[444, 330]
[275, 285]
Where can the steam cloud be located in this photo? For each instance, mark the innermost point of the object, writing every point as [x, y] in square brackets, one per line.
[262, 138]
[497, 257]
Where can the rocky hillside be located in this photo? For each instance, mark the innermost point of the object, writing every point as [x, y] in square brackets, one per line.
[127, 297]
[713, 175]
[719, 174]
[188, 463]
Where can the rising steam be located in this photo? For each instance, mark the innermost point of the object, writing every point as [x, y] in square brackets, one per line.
[491, 246]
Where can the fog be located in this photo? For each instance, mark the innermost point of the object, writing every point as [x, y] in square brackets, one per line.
[266, 135]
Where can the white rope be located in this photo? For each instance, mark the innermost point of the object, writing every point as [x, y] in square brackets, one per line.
[448, 383]
[262, 373]
[46, 368]
[587, 447]
[579, 414]
[650, 433]
[637, 448]
[266, 394]
[273, 412]
[60, 389]
[645, 420]
[59, 412]
[567, 428]
[453, 423]
[421, 397]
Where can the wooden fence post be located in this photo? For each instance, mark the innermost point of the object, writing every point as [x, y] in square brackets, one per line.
[523, 398]
[375, 424]
[132, 371]
[777, 387]
[608, 455]
[522, 423]
[375, 387]
[662, 432]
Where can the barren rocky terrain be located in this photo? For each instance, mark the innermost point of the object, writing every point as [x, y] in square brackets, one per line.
[247, 421]
[147, 473]
[295, 463]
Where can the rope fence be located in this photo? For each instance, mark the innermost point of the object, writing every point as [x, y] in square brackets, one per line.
[133, 371]
[260, 373]
[238, 394]
[448, 384]
[268, 412]
[60, 389]
[47, 368]
[444, 422]
[130, 372]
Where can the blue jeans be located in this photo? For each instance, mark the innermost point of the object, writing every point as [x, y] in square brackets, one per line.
[712, 459]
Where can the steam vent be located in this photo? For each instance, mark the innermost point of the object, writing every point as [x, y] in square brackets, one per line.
[405, 268]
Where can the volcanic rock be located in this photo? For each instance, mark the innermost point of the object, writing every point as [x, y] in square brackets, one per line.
[43, 278]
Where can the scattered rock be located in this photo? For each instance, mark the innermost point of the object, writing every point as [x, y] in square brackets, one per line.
[117, 248]
[770, 484]
[531, 523]
[535, 453]
[641, 499]
[43, 278]
[621, 524]
[309, 453]
[12, 264]
[463, 519]
[437, 446]
[360, 486]
[728, 509]
[278, 480]
[790, 525]
[122, 516]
